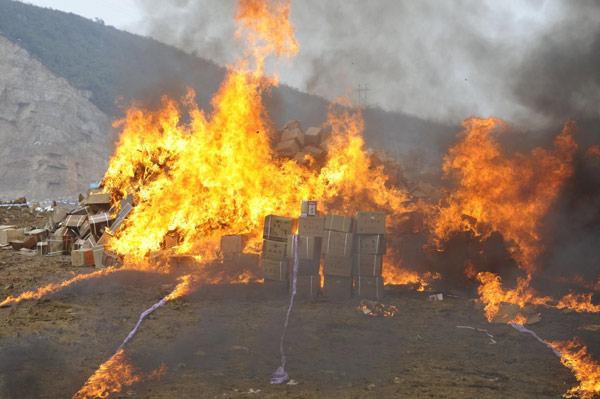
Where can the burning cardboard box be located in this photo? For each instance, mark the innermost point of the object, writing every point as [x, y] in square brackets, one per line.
[293, 131]
[277, 228]
[230, 245]
[370, 223]
[287, 148]
[313, 136]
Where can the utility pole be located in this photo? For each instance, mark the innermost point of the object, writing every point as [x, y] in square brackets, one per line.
[362, 94]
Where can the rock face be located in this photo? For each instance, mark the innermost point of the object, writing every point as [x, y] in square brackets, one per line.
[53, 140]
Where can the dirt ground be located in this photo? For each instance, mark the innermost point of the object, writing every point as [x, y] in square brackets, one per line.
[223, 341]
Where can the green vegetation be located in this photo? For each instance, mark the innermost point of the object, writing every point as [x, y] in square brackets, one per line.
[100, 59]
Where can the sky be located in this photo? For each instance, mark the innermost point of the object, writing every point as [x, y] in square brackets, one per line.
[530, 62]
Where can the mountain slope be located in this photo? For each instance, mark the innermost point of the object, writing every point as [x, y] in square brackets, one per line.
[53, 140]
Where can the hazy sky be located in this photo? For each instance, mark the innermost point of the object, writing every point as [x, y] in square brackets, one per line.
[532, 62]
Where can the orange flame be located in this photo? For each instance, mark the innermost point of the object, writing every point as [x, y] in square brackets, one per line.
[396, 276]
[496, 193]
[493, 295]
[186, 285]
[54, 287]
[112, 376]
[218, 175]
[578, 302]
[586, 370]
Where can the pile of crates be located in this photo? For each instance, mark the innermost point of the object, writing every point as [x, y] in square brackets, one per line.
[351, 252]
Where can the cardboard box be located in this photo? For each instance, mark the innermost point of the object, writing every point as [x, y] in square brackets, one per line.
[232, 244]
[274, 269]
[293, 131]
[367, 264]
[337, 287]
[10, 234]
[246, 261]
[311, 226]
[338, 223]
[183, 262]
[55, 246]
[277, 228]
[98, 199]
[337, 243]
[287, 148]
[75, 221]
[99, 222]
[39, 234]
[98, 252]
[307, 286]
[308, 208]
[308, 247]
[370, 244]
[337, 265]
[43, 248]
[307, 267]
[59, 215]
[121, 216]
[315, 152]
[82, 257]
[370, 223]
[312, 136]
[369, 287]
[275, 250]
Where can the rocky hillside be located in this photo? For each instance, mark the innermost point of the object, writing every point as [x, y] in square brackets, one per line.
[53, 140]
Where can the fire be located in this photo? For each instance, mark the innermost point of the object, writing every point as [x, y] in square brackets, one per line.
[578, 302]
[374, 309]
[396, 276]
[494, 296]
[186, 284]
[497, 193]
[217, 174]
[593, 152]
[586, 370]
[112, 376]
[54, 287]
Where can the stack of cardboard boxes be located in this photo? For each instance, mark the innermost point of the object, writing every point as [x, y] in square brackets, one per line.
[337, 265]
[274, 262]
[369, 248]
[310, 239]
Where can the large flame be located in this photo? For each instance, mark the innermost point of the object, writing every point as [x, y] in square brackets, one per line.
[54, 287]
[500, 194]
[217, 174]
[585, 368]
[112, 376]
